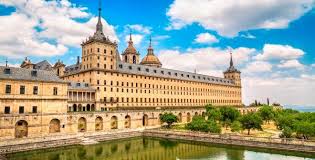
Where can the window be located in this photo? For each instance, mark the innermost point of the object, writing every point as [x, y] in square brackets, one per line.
[21, 109]
[7, 110]
[35, 90]
[34, 110]
[22, 89]
[55, 91]
[8, 89]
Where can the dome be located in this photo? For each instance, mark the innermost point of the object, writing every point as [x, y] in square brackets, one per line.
[130, 49]
[150, 59]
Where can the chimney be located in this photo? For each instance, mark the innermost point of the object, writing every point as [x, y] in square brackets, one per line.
[78, 60]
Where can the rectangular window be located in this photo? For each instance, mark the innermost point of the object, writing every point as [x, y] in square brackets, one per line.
[7, 110]
[8, 89]
[22, 89]
[21, 109]
[55, 91]
[35, 90]
[34, 110]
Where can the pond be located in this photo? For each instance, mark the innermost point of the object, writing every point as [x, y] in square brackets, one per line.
[143, 148]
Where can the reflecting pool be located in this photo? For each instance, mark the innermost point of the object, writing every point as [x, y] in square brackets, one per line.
[156, 149]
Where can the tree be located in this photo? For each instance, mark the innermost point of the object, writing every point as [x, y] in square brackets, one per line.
[236, 126]
[209, 107]
[266, 113]
[251, 121]
[168, 118]
[214, 114]
[198, 123]
[304, 129]
[286, 133]
[229, 115]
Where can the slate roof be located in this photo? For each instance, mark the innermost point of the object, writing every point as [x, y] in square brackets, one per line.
[26, 74]
[43, 65]
[169, 73]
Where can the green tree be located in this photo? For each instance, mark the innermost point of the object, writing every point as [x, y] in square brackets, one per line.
[236, 126]
[214, 114]
[251, 121]
[213, 127]
[168, 118]
[266, 113]
[304, 129]
[229, 115]
[209, 107]
[286, 133]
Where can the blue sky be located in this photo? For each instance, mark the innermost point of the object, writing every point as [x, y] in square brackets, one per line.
[272, 41]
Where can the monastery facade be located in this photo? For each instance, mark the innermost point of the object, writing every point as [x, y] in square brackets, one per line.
[104, 90]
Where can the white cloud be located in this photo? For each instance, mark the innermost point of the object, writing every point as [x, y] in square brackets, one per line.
[313, 65]
[136, 38]
[45, 28]
[205, 60]
[138, 28]
[279, 52]
[248, 36]
[229, 17]
[258, 67]
[291, 64]
[206, 38]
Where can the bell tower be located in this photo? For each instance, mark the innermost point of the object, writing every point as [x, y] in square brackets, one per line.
[232, 73]
[131, 55]
[98, 51]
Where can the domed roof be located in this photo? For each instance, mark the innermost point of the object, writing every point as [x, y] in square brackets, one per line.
[150, 59]
[130, 49]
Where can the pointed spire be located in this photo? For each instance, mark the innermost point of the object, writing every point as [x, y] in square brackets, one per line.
[130, 39]
[99, 26]
[150, 49]
[231, 60]
[6, 63]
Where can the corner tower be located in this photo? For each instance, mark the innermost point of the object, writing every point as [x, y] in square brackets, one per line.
[232, 73]
[131, 55]
[98, 52]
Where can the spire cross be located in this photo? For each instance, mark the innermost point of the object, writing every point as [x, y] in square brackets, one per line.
[150, 41]
[231, 61]
[99, 8]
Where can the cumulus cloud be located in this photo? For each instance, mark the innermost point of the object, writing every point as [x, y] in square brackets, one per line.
[279, 52]
[138, 28]
[206, 38]
[136, 38]
[257, 67]
[45, 28]
[230, 17]
[205, 60]
[291, 64]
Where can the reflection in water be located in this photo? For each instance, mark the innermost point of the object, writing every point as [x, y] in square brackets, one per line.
[148, 149]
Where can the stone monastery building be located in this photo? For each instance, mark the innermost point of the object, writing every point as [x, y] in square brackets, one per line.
[104, 90]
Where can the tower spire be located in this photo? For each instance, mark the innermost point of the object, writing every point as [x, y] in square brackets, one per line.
[99, 26]
[231, 60]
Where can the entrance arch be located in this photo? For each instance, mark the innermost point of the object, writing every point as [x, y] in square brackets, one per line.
[180, 118]
[98, 124]
[113, 122]
[145, 120]
[127, 121]
[82, 125]
[21, 129]
[188, 117]
[54, 126]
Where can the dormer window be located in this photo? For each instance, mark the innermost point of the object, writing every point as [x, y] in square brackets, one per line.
[120, 66]
[78, 84]
[154, 71]
[34, 73]
[162, 72]
[130, 67]
[139, 69]
[7, 71]
[147, 70]
[169, 73]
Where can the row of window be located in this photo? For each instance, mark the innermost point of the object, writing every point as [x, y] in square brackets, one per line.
[165, 87]
[98, 66]
[87, 51]
[166, 100]
[212, 93]
[8, 90]
[7, 109]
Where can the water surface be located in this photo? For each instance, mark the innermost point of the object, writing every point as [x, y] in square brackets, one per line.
[155, 149]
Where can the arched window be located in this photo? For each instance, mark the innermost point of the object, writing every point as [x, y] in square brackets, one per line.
[21, 129]
[134, 60]
[54, 126]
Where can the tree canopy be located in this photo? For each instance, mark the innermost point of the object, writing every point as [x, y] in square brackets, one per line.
[251, 121]
[168, 118]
